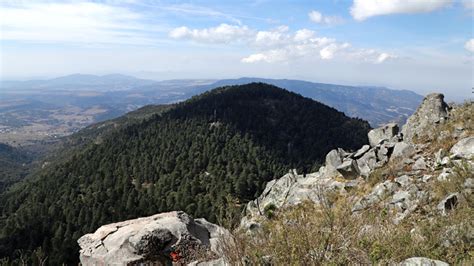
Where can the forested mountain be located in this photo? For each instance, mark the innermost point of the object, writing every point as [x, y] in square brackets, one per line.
[216, 149]
[378, 105]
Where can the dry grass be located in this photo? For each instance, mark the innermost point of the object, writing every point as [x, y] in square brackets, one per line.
[330, 233]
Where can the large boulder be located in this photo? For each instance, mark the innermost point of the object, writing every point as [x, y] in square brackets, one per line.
[156, 240]
[433, 110]
[386, 132]
[464, 149]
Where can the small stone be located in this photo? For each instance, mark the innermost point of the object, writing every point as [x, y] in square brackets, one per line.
[420, 164]
[426, 178]
[403, 180]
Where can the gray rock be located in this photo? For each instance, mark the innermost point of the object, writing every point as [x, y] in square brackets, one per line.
[334, 158]
[469, 183]
[151, 239]
[217, 262]
[448, 203]
[441, 158]
[433, 110]
[367, 163]
[361, 151]
[386, 132]
[403, 150]
[378, 193]
[420, 164]
[348, 169]
[382, 155]
[403, 180]
[292, 189]
[464, 149]
[420, 261]
[400, 196]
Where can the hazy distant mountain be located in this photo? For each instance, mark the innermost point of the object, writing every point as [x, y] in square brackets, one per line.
[110, 82]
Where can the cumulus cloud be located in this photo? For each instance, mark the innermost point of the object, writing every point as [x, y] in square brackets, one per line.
[303, 35]
[223, 33]
[363, 9]
[280, 44]
[274, 37]
[318, 17]
[469, 45]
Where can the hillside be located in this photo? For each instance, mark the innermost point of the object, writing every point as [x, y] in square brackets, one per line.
[204, 156]
[13, 165]
[405, 199]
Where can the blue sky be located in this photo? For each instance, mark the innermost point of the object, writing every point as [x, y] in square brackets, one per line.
[421, 45]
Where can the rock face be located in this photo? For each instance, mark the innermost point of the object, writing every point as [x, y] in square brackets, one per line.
[152, 240]
[433, 110]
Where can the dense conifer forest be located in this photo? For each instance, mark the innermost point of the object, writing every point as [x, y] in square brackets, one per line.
[201, 156]
[13, 165]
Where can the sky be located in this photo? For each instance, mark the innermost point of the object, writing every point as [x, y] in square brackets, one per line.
[419, 45]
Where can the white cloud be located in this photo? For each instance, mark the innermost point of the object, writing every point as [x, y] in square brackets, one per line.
[363, 9]
[384, 57]
[224, 33]
[371, 56]
[469, 45]
[328, 52]
[315, 16]
[78, 22]
[303, 35]
[319, 18]
[272, 38]
[304, 44]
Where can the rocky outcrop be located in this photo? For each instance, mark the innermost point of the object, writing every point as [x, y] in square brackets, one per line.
[433, 110]
[157, 239]
[403, 191]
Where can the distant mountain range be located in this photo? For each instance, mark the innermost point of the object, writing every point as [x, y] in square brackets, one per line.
[112, 82]
[120, 93]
